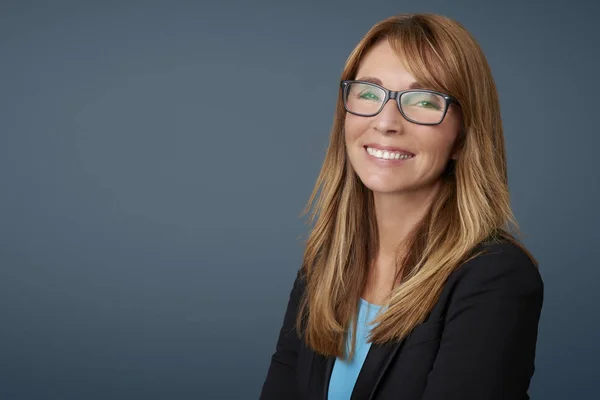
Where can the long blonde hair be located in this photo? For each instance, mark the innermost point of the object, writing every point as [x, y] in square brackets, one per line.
[472, 206]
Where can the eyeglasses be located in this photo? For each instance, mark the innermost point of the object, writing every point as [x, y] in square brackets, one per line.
[420, 106]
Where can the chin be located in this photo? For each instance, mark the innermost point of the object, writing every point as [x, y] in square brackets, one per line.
[384, 185]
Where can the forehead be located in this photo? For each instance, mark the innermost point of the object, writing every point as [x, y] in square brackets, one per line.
[382, 62]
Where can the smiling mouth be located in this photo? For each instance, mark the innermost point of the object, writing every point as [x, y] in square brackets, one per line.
[388, 155]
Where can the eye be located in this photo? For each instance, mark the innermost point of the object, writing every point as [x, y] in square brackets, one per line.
[368, 95]
[426, 100]
[427, 104]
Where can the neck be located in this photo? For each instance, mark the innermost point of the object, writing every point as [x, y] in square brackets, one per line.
[397, 215]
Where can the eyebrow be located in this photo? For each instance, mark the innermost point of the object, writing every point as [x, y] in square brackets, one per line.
[377, 81]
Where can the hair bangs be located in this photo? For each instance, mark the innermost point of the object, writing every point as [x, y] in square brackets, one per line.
[423, 57]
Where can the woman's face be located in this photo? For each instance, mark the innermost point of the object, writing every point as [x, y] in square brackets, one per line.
[429, 147]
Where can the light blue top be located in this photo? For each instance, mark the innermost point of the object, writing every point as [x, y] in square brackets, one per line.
[345, 373]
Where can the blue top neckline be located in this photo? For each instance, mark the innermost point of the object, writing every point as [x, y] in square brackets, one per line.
[366, 303]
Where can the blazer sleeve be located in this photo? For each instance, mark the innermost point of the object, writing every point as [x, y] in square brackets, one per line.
[488, 346]
[280, 382]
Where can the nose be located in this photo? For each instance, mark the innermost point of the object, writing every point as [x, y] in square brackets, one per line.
[389, 120]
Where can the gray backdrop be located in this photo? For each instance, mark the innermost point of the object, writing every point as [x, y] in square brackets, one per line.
[151, 183]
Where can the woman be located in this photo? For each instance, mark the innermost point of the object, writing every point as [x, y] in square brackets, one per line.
[411, 285]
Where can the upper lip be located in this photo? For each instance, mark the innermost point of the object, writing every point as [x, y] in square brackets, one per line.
[388, 148]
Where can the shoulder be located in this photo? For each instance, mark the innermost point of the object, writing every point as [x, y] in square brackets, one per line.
[502, 266]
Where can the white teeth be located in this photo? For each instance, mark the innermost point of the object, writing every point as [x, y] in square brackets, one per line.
[386, 155]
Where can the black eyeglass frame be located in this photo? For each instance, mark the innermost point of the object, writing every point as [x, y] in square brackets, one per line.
[396, 95]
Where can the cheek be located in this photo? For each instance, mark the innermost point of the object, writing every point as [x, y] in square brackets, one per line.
[441, 142]
[435, 148]
[354, 127]
[440, 148]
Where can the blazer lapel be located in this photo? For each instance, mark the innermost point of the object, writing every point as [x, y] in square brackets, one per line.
[376, 363]
[321, 368]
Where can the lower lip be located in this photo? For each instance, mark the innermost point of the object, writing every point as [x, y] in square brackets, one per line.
[389, 163]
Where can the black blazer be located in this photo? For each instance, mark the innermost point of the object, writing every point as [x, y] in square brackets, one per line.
[478, 342]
